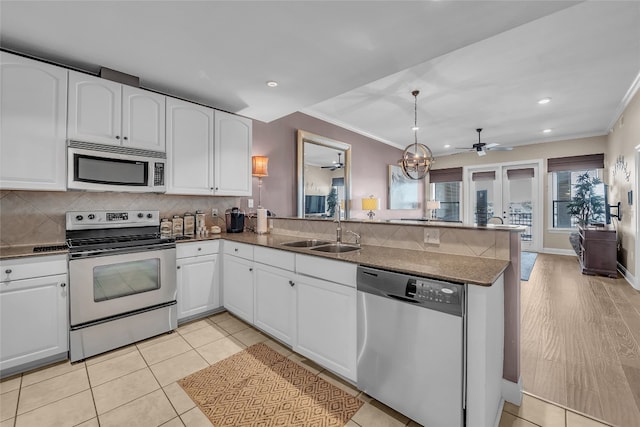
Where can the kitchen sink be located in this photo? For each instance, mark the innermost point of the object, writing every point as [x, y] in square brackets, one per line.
[336, 248]
[309, 243]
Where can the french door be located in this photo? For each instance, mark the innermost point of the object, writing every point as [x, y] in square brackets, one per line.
[510, 192]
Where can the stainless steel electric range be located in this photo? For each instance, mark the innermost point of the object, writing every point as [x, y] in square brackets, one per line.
[122, 280]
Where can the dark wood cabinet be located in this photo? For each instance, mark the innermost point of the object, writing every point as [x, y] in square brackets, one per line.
[598, 250]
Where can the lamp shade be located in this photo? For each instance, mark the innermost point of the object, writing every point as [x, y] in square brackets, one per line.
[433, 204]
[259, 165]
[370, 204]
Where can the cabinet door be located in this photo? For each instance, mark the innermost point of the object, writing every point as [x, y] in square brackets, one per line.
[198, 290]
[232, 155]
[95, 109]
[33, 128]
[189, 148]
[143, 119]
[326, 324]
[275, 302]
[33, 320]
[238, 287]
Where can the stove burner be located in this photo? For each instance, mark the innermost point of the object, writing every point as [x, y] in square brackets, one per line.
[50, 248]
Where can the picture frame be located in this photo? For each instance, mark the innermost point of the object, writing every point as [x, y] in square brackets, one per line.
[402, 192]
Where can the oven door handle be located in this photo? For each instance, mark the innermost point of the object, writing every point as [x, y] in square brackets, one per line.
[118, 251]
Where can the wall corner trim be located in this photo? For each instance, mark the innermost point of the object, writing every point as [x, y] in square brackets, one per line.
[624, 102]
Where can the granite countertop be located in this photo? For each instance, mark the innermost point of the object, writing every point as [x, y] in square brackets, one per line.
[458, 268]
[466, 269]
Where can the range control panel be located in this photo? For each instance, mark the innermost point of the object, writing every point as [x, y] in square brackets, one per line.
[83, 220]
[423, 290]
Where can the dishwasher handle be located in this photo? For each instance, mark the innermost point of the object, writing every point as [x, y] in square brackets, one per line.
[403, 299]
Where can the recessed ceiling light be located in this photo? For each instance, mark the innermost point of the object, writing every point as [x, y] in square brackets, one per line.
[447, 146]
[544, 101]
[272, 83]
[546, 131]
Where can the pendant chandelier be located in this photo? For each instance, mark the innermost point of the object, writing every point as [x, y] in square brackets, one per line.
[417, 159]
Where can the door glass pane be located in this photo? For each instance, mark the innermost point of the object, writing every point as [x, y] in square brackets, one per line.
[126, 278]
[520, 205]
[481, 186]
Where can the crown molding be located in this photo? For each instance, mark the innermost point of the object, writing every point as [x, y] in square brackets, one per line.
[624, 102]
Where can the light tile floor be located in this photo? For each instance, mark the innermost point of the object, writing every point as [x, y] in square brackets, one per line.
[136, 386]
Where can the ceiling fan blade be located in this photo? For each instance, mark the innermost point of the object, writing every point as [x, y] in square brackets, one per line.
[499, 148]
[493, 144]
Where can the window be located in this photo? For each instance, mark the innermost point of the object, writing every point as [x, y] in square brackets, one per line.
[448, 193]
[563, 190]
[446, 187]
[564, 175]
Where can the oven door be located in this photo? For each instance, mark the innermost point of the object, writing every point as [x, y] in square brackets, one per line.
[115, 284]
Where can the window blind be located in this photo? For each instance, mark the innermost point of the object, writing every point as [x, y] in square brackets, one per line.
[520, 173]
[483, 176]
[572, 163]
[445, 175]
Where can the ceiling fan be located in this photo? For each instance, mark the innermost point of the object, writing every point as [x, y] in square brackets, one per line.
[481, 148]
[335, 165]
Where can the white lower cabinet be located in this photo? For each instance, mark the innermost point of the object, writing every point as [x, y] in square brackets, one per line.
[34, 324]
[275, 302]
[326, 318]
[238, 280]
[197, 279]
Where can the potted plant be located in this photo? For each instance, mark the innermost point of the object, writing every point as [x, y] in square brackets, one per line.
[585, 205]
[332, 200]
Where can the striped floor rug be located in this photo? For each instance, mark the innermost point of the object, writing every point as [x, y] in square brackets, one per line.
[260, 387]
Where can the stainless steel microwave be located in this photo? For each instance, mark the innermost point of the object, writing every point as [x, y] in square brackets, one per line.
[99, 167]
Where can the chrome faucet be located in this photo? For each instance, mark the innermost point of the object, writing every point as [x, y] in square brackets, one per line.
[356, 235]
[339, 227]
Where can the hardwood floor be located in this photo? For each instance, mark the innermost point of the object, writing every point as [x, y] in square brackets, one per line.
[580, 343]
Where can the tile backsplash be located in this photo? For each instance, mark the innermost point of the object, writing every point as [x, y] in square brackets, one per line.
[482, 243]
[38, 217]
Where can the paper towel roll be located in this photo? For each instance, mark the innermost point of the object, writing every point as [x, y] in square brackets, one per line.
[261, 227]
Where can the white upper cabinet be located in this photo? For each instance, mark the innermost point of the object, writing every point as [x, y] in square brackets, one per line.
[106, 112]
[33, 128]
[189, 148]
[95, 111]
[208, 151]
[233, 155]
[143, 119]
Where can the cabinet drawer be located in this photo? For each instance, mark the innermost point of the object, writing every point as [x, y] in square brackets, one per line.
[274, 257]
[39, 266]
[191, 249]
[241, 250]
[327, 269]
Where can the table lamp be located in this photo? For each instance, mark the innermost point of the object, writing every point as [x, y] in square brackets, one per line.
[432, 205]
[370, 204]
[259, 169]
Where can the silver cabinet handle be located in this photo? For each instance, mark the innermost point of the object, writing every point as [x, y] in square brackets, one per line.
[8, 271]
[62, 285]
[117, 136]
[125, 138]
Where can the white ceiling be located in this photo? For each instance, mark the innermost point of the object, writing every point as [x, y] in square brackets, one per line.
[354, 63]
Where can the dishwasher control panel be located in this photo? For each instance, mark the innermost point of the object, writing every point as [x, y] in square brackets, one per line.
[424, 290]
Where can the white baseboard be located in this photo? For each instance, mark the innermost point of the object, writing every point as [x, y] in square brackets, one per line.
[555, 251]
[512, 392]
[496, 423]
[629, 277]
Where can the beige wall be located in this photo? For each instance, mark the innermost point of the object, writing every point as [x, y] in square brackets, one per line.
[622, 140]
[543, 151]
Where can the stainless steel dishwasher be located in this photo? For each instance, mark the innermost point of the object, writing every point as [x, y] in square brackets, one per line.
[411, 345]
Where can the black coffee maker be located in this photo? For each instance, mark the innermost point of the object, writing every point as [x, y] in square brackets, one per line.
[235, 220]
